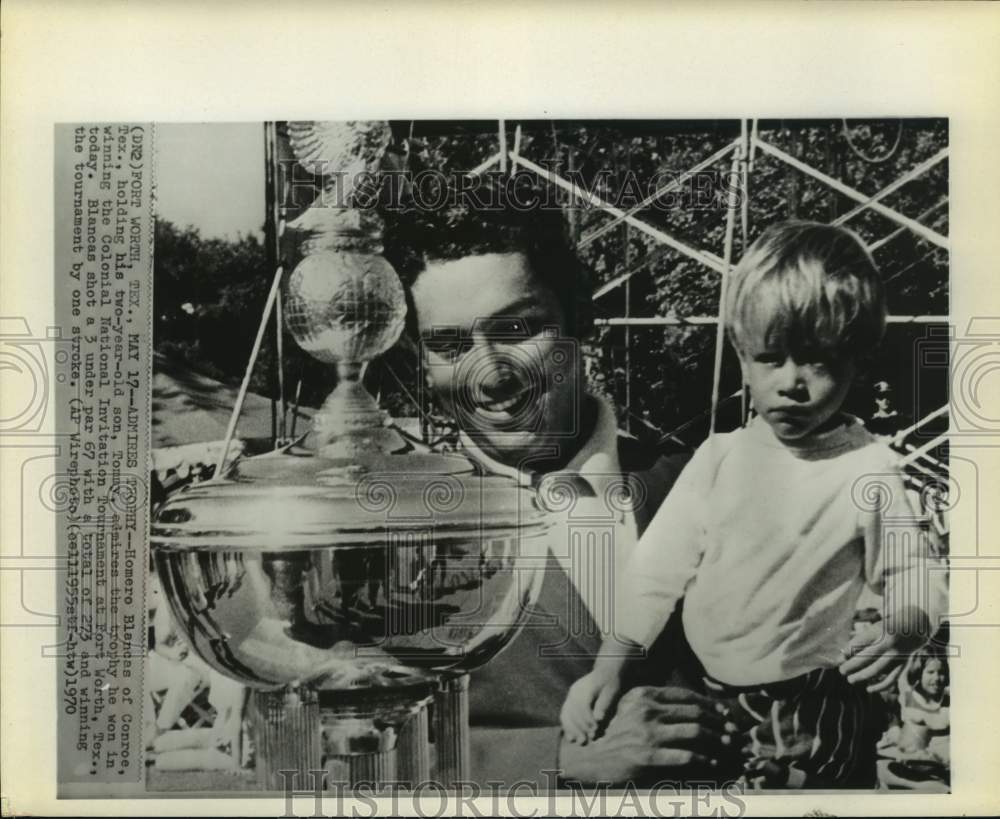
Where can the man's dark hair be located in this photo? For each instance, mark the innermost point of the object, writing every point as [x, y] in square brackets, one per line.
[530, 222]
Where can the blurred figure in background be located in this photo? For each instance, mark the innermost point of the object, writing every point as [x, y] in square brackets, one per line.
[886, 420]
[925, 706]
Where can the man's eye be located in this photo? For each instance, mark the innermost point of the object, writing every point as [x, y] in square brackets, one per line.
[503, 327]
[450, 348]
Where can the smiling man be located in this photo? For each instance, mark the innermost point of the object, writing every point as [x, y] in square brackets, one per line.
[496, 354]
[500, 303]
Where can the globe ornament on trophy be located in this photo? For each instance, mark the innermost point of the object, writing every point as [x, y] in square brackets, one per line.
[350, 579]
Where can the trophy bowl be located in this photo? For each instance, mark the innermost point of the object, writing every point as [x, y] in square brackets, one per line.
[298, 567]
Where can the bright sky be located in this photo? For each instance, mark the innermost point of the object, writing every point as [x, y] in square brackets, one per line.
[211, 175]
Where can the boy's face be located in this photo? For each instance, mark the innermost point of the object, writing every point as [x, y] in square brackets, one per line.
[795, 394]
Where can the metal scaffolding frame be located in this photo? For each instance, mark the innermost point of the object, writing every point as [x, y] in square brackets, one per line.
[741, 153]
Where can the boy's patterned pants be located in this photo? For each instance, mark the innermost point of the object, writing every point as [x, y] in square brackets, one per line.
[812, 731]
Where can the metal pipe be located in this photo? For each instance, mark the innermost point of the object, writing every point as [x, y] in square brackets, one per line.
[616, 282]
[273, 239]
[930, 235]
[899, 436]
[926, 165]
[482, 166]
[720, 327]
[503, 146]
[925, 469]
[659, 321]
[888, 238]
[692, 421]
[720, 154]
[279, 334]
[745, 167]
[295, 407]
[238, 407]
[907, 459]
[705, 258]
[271, 253]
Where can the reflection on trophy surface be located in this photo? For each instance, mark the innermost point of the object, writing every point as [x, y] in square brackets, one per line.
[348, 579]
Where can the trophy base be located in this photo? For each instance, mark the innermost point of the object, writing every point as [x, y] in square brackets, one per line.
[309, 738]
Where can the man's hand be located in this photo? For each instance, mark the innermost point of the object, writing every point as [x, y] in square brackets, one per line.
[656, 730]
[876, 659]
[880, 656]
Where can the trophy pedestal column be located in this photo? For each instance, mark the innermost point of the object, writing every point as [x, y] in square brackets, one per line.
[451, 730]
[413, 749]
[285, 731]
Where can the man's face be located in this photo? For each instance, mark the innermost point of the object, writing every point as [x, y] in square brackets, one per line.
[795, 394]
[497, 355]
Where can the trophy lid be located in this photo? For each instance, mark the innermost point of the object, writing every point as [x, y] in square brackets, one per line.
[298, 499]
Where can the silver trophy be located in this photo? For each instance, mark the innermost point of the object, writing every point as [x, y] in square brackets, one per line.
[349, 579]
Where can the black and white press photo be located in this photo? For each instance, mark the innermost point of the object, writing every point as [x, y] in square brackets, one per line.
[567, 453]
[498, 409]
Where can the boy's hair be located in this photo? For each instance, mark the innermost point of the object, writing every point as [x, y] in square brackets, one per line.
[532, 223]
[807, 288]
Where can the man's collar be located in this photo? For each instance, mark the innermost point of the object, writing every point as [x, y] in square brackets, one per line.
[596, 461]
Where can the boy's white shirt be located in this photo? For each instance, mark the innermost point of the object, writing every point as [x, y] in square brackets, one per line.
[771, 546]
[592, 540]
